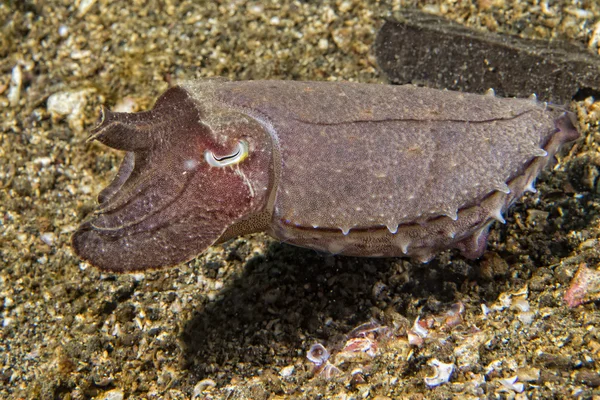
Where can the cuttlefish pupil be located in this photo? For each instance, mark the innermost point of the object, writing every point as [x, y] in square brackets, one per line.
[240, 153]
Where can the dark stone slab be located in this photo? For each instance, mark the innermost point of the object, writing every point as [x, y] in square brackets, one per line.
[427, 50]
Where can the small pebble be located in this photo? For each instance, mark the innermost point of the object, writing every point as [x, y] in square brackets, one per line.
[63, 31]
[14, 91]
[323, 44]
[115, 394]
[287, 371]
[69, 104]
[126, 104]
[84, 6]
[511, 384]
[48, 238]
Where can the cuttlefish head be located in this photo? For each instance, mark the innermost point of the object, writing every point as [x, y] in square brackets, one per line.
[191, 171]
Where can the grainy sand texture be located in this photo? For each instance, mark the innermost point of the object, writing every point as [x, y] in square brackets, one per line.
[239, 321]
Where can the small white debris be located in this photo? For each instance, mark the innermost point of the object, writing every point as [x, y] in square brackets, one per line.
[84, 6]
[80, 54]
[126, 104]
[345, 6]
[42, 161]
[504, 300]
[66, 103]
[323, 44]
[520, 303]
[526, 317]
[115, 394]
[116, 330]
[485, 309]
[48, 238]
[138, 277]
[510, 385]
[32, 355]
[453, 316]
[579, 13]
[70, 104]
[256, 9]
[595, 37]
[442, 373]
[14, 91]
[287, 371]
[493, 366]
[63, 31]
[175, 307]
[417, 334]
[202, 386]
[588, 244]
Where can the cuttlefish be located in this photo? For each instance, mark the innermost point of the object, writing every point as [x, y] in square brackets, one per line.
[348, 168]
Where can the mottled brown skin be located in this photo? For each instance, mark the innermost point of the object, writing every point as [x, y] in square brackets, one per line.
[357, 169]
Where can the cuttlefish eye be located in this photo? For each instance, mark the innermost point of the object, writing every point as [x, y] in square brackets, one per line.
[239, 155]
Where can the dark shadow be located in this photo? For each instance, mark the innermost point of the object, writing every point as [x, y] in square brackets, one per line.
[286, 301]
[584, 93]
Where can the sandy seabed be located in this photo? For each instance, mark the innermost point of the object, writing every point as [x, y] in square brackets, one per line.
[238, 321]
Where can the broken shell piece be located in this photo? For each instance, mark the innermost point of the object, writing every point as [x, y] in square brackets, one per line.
[454, 315]
[526, 317]
[287, 371]
[317, 354]
[456, 308]
[419, 329]
[202, 386]
[493, 366]
[329, 371]
[585, 286]
[417, 333]
[70, 104]
[371, 329]
[509, 384]
[16, 80]
[520, 303]
[414, 339]
[485, 309]
[357, 376]
[504, 300]
[442, 373]
[356, 347]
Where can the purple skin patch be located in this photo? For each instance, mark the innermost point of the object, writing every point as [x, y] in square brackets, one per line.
[349, 168]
